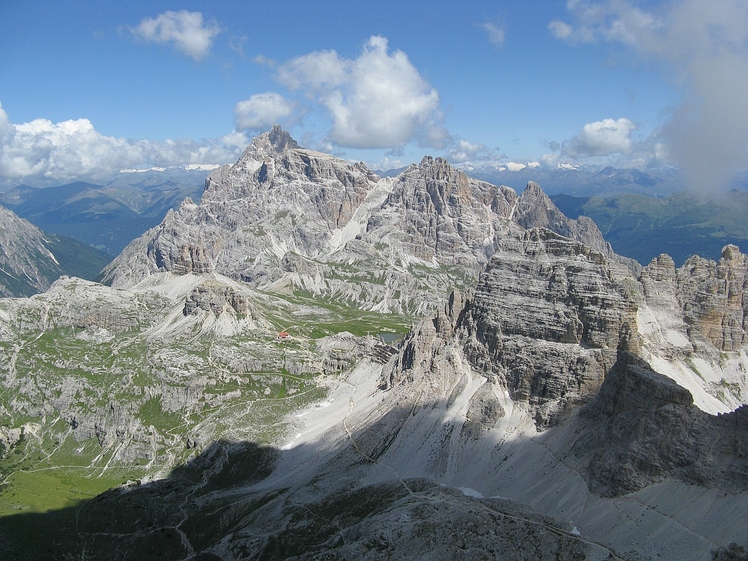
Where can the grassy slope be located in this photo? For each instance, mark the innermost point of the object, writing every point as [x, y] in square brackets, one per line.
[53, 468]
[77, 259]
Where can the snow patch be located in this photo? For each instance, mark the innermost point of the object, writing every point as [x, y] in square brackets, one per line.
[357, 224]
[201, 167]
[141, 170]
[469, 492]
[290, 445]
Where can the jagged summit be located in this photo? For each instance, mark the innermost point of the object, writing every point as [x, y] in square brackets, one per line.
[277, 140]
[287, 218]
[535, 208]
[280, 139]
[274, 159]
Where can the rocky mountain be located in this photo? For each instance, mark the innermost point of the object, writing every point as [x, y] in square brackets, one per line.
[288, 218]
[31, 260]
[621, 435]
[233, 395]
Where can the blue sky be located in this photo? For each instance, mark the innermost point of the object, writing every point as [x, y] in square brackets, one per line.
[88, 88]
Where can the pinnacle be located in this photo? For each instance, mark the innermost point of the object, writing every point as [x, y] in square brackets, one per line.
[533, 188]
[280, 139]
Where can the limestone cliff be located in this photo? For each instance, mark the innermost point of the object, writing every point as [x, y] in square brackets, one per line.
[714, 297]
[642, 428]
[544, 324]
[710, 298]
[291, 219]
[535, 209]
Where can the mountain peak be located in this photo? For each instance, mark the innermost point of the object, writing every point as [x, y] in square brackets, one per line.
[280, 139]
[439, 161]
[536, 209]
[533, 189]
[276, 141]
[438, 168]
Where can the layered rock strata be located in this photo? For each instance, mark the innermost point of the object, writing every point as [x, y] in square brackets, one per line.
[709, 298]
[291, 219]
[544, 324]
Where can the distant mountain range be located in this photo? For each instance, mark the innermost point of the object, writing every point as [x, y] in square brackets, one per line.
[106, 217]
[31, 260]
[581, 182]
[680, 225]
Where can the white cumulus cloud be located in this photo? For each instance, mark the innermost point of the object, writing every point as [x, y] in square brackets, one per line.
[378, 100]
[262, 110]
[601, 138]
[465, 151]
[41, 151]
[187, 31]
[704, 47]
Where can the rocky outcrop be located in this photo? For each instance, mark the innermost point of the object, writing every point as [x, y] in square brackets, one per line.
[642, 427]
[535, 209]
[714, 297]
[546, 319]
[544, 286]
[72, 302]
[216, 297]
[545, 323]
[709, 299]
[287, 218]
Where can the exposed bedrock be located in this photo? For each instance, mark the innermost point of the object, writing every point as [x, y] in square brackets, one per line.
[642, 427]
[545, 323]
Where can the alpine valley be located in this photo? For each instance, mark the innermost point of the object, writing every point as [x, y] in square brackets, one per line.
[318, 363]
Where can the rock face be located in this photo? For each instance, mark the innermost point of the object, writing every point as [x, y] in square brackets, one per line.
[547, 317]
[535, 209]
[708, 297]
[27, 265]
[212, 296]
[442, 214]
[544, 324]
[642, 428]
[714, 297]
[287, 218]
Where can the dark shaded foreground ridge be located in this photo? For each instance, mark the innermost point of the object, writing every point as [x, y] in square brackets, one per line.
[246, 501]
[208, 510]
